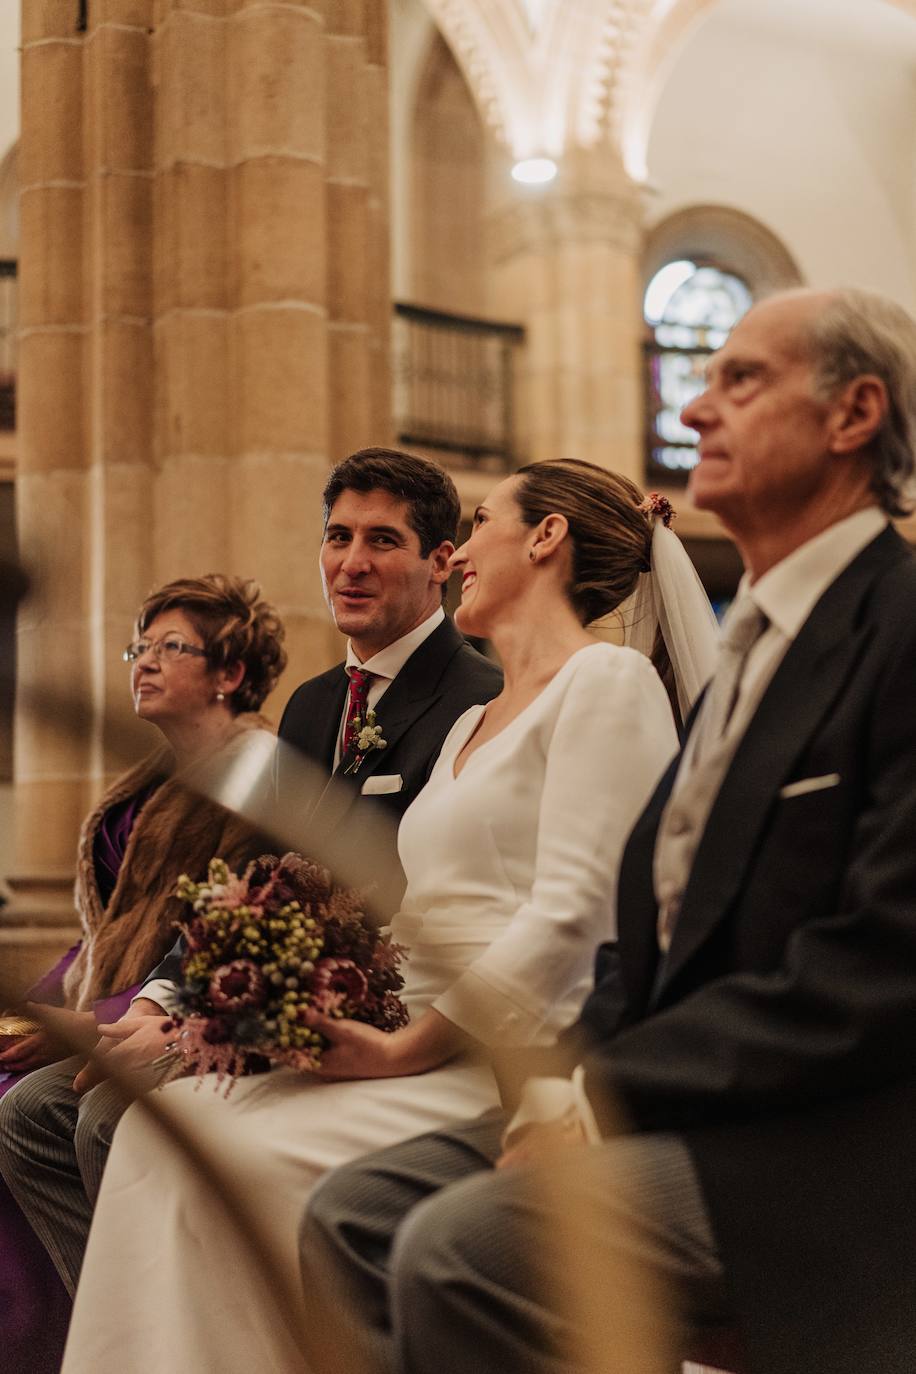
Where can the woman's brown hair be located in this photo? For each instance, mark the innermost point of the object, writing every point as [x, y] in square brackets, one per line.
[611, 532]
[611, 536]
[236, 626]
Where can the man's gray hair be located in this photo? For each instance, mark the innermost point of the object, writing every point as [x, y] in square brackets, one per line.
[861, 332]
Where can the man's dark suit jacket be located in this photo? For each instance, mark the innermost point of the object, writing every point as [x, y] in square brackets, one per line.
[438, 683]
[779, 1035]
[440, 680]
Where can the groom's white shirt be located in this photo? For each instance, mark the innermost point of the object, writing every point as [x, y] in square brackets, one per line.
[385, 666]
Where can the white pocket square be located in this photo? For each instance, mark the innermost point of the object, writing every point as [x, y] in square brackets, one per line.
[798, 789]
[381, 783]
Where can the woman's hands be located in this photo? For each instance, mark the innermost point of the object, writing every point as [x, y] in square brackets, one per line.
[130, 1045]
[63, 1033]
[356, 1051]
[359, 1051]
[31, 1052]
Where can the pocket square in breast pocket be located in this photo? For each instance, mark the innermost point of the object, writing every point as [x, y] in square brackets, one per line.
[798, 789]
[382, 783]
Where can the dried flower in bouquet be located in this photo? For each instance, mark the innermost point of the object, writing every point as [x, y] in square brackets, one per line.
[266, 948]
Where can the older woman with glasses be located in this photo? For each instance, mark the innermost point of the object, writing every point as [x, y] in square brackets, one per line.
[206, 653]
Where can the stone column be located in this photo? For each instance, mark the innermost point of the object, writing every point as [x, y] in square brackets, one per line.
[359, 296]
[565, 262]
[272, 287]
[50, 761]
[205, 311]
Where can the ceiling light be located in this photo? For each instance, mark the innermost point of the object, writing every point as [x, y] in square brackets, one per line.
[534, 171]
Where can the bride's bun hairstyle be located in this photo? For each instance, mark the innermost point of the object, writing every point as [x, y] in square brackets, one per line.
[236, 626]
[610, 526]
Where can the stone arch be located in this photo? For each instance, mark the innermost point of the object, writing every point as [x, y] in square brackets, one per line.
[729, 239]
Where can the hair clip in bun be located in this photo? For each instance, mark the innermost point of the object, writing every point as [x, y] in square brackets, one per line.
[659, 507]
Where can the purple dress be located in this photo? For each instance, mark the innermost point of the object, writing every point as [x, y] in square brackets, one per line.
[34, 1306]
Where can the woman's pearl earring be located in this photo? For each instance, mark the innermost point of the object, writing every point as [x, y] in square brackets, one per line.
[221, 696]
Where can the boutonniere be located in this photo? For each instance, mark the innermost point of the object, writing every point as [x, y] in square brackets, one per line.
[366, 738]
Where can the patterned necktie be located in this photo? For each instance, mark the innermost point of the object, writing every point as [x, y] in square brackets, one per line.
[357, 704]
[743, 627]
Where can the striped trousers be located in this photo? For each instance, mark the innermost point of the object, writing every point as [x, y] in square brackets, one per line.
[441, 1263]
[53, 1148]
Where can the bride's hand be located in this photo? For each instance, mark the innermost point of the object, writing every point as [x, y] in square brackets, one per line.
[359, 1051]
[355, 1050]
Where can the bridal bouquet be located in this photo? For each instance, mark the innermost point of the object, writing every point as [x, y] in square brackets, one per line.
[266, 948]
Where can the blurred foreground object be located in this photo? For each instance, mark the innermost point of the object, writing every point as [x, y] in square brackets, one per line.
[13, 1028]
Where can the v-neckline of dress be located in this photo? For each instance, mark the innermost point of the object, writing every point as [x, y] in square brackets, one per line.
[586, 648]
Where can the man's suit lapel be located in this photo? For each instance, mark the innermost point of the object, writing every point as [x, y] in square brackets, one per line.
[410, 695]
[811, 676]
[319, 730]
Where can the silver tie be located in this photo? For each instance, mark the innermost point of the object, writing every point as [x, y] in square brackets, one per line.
[743, 626]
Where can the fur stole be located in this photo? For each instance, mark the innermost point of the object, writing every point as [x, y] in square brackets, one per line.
[177, 831]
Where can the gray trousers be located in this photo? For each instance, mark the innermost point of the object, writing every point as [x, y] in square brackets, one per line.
[443, 1264]
[53, 1148]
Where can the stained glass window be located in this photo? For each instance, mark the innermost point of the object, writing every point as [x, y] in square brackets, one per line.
[689, 310]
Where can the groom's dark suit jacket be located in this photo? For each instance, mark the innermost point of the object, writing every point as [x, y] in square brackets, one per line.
[438, 683]
[778, 1037]
[440, 680]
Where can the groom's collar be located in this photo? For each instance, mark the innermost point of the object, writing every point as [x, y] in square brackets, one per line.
[388, 662]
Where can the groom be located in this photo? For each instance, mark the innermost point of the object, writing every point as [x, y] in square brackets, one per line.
[390, 522]
[756, 1022]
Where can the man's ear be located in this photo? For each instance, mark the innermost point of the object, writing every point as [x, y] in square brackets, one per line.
[858, 413]
[438, 561]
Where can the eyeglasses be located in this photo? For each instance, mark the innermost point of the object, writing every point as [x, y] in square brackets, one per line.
[171, 648]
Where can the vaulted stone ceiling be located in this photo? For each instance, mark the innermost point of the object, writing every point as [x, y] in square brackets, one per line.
[547, 74]
[550, 75]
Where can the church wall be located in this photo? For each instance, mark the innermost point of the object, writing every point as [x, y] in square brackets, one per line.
[446, 192]
[809, 139]
[9, 75]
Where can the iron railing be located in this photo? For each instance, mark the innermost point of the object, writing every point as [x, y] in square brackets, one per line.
[453, 382]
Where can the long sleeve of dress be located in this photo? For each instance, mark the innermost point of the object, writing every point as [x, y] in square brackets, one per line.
[604, 740]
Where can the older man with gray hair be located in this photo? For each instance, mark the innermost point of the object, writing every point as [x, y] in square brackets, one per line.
[755, 1024]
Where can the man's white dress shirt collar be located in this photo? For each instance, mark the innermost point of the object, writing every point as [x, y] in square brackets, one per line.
[385, 666]
[388, 662]
[789, 591]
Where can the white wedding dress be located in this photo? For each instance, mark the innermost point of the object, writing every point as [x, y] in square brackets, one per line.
[512, 870]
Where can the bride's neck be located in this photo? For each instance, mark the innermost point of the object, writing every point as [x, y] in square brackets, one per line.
[536, 641]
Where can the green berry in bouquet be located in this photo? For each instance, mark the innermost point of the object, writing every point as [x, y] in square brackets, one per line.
[264, 950]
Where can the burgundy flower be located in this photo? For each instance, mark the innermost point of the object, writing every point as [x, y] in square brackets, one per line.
[337, 983]
[236, 985]
[196, 934]
[217, 1031]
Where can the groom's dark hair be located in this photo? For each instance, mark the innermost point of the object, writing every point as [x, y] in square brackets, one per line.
[433, 505]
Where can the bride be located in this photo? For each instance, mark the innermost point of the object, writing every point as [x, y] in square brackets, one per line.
[511, 853]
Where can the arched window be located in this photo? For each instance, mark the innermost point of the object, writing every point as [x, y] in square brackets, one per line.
[689, 310]
[703, 267]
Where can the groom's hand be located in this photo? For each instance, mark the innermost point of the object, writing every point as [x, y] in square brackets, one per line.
[127, 1045]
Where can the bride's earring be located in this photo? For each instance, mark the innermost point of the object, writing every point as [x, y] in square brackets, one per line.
[221, 696]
